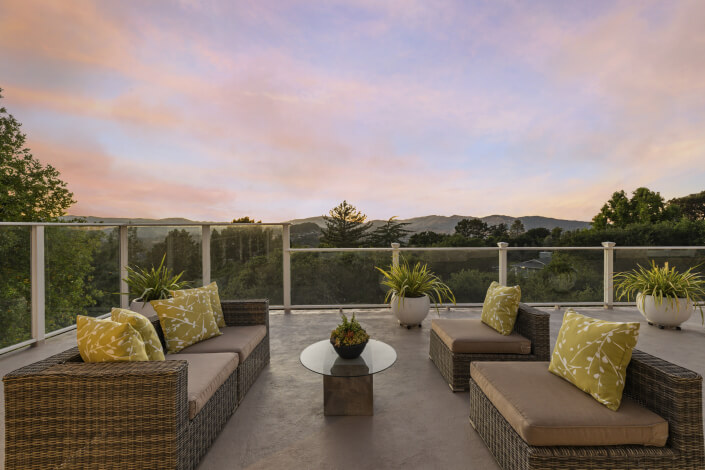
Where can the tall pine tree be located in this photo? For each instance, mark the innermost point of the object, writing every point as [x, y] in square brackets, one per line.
[345, 227]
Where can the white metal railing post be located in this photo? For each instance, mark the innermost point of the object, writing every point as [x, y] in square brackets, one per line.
[38, 283]
[395, 254]
[124, 260]
[503, 262]
[608, 280]
[206, 253]
[286, 267]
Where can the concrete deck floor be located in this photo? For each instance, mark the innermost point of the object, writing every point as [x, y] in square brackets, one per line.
[418, 421]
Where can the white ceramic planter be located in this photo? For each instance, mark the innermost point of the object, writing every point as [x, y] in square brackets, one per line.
[669, 313]
[144, 308]
[410, 311]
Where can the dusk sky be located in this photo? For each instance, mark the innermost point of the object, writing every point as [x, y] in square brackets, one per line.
[282, 109]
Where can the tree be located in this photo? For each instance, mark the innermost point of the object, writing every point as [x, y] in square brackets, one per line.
[499, 231]
[692, 206]
[427, 238]
[29, 191]
[246, 220]
[645, 207]
[391, 232]
[516, 229]
[472, 228]
[183, 253]
[345, 227]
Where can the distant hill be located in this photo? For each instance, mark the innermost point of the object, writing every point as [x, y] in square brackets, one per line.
[306, 232]
[446, 224]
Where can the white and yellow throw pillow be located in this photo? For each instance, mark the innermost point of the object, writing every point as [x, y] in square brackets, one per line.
[501, 307]
[212, 290]
[108, 341]
[593, 355]
[144, 327]
[186, 319]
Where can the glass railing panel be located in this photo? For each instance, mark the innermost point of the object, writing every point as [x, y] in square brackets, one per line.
[82, 273]
[246, 262]
[557, 276]
[467, 273]
[682, 260]
[332, 278]
[180, 244]
[15, 285]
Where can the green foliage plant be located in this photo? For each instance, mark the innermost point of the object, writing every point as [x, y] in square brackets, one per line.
[348, 333]
[413, 282]
[154, 283]
[663, 283]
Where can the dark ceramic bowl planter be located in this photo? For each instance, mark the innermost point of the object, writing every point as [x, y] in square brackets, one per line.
[349, 352]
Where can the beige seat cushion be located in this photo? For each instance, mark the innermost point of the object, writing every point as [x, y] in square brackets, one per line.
[238, 339]
[206, 373]
[546, 410]
[472, 336]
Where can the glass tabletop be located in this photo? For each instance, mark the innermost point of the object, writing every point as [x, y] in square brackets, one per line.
[321, 358]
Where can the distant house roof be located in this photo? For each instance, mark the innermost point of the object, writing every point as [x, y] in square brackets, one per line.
[531, 264]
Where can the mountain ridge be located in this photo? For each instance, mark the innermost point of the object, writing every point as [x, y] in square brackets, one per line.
[433, 223]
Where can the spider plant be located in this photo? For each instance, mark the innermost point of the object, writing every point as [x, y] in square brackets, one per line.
[405, 281]
[662, 283]
[154, 283]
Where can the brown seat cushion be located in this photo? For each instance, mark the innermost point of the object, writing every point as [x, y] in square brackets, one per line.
[472, 336]
[238, 339]
[546, 410]
[206, 373]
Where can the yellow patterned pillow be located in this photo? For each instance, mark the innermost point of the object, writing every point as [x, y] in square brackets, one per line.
[212, 290]
[108, 341]
[186, 319]
[501, 307]
[144, 327]
[593, 355]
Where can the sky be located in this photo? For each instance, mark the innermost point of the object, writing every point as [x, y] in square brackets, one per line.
[213, 110]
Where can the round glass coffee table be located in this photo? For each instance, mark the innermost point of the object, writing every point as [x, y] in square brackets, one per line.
[347, 383]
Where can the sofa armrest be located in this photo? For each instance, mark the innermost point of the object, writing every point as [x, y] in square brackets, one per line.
[62, 411]
[671, 391]
[246, 312]
[533, 324]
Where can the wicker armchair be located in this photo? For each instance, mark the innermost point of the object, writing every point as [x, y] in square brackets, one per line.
[671, 391]
[455, 367]
[63, 413]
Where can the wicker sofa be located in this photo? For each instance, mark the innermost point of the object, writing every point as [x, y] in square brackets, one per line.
[530, 340]
[62, 413]
[664, 398]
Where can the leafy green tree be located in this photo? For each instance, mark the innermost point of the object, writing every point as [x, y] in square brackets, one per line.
[246, 220]
[345, 227]
[183, 254]
[29, 191]
[499, 231]
[427, 238]
[516, 229]
[391, 232]
[472, 228]
[692, 206]
[644, 207]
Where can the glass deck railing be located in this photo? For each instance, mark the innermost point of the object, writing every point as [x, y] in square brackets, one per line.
[49, 273]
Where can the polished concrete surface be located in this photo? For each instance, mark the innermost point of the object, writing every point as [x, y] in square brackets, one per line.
[418, 422]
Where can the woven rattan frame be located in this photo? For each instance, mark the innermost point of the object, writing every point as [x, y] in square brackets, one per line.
[455, 367]
[65, 414]
[671, 391]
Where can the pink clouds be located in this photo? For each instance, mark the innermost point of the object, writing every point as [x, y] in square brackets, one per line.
[515, 108]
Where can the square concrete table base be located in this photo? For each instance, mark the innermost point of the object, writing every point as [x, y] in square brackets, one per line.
[347, 396]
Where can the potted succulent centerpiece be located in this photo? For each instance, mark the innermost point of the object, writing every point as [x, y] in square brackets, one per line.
[663, 295]
[151, 284]
[349, 338]
[411, 291]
